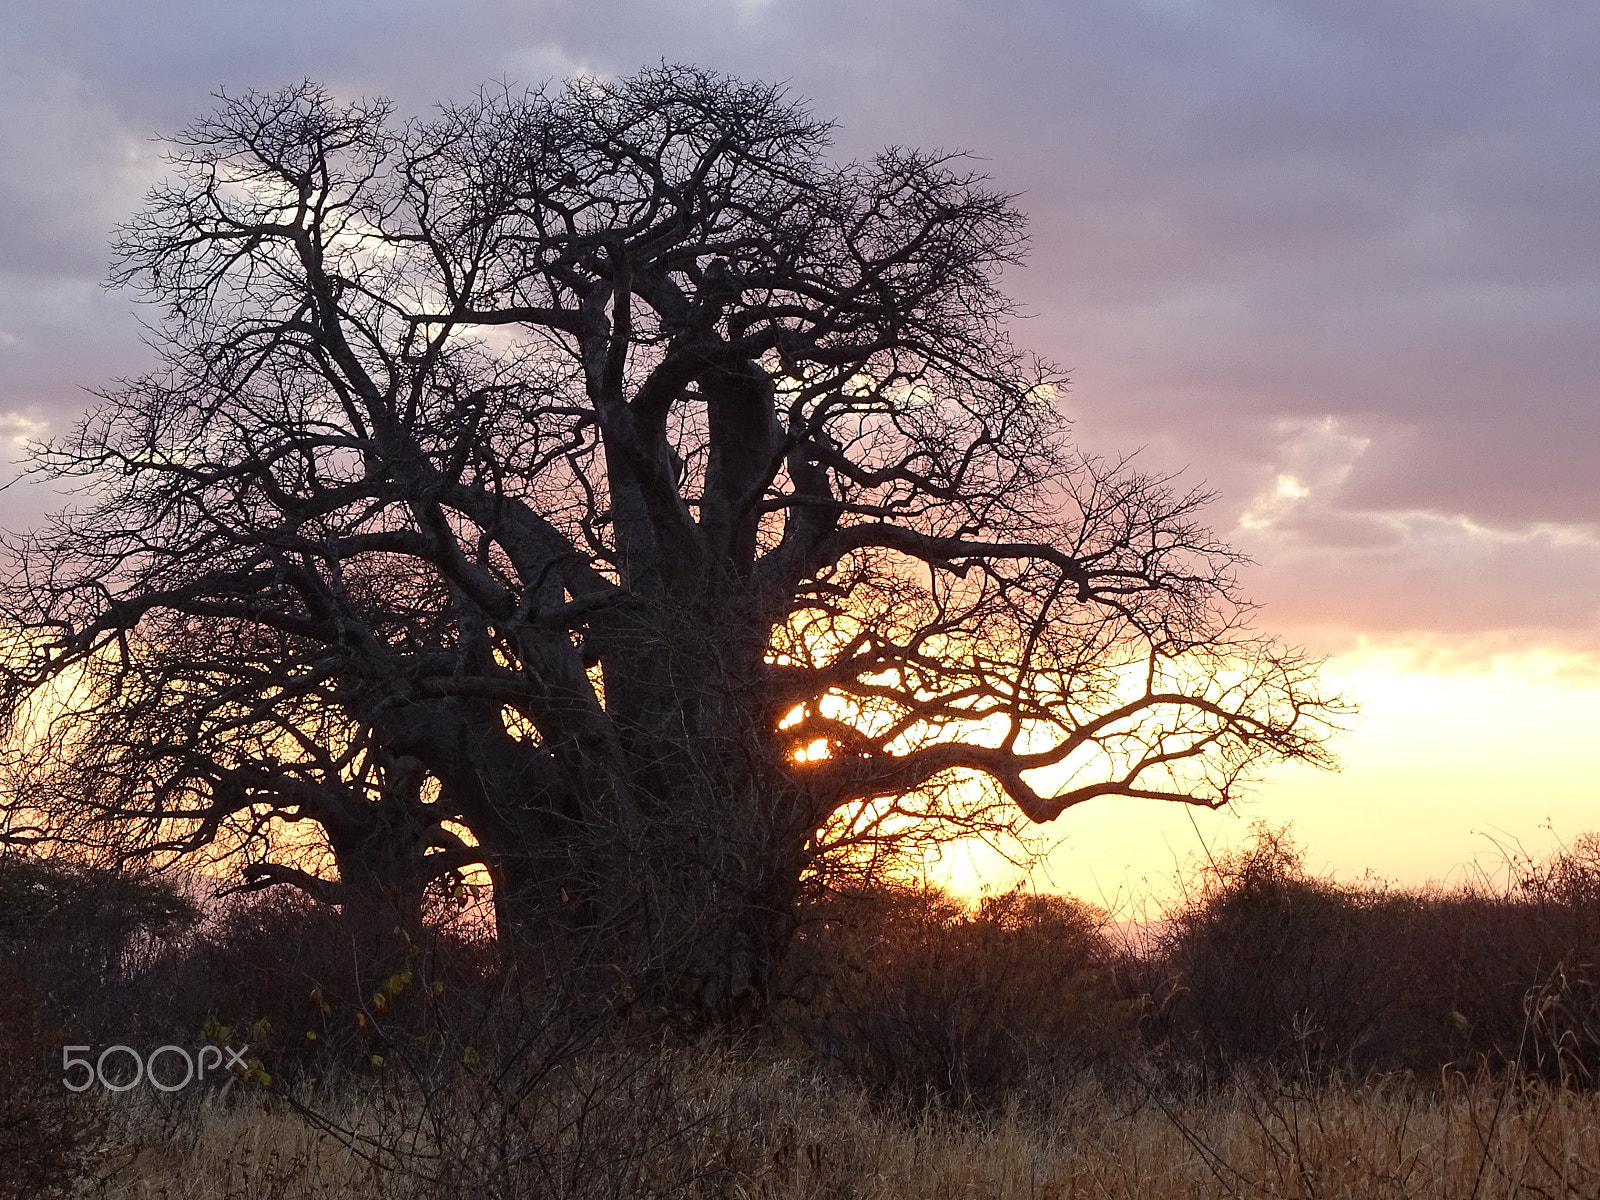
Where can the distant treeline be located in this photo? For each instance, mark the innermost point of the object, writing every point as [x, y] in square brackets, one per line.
[910, 987]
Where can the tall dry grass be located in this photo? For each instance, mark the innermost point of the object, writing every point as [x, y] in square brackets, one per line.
[1282, 1036]
[750, 1130]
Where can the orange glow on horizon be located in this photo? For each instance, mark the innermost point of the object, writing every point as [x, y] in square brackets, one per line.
[1445, 766]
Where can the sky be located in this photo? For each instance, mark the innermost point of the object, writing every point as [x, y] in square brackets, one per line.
[1339, 259]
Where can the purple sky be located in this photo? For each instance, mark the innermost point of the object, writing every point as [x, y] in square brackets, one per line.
[1340, 258]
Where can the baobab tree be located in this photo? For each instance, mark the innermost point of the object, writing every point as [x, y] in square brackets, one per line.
[672, 495]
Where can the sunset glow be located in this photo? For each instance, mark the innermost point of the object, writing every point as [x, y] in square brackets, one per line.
[1447, 771]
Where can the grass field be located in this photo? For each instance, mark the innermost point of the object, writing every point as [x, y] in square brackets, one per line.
[738, 1130]
[1281, 1036]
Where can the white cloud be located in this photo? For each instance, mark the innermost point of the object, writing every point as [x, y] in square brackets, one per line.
[18, 429]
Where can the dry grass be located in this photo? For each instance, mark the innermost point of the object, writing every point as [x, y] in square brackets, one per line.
[747, 1130]
[1282, 1037]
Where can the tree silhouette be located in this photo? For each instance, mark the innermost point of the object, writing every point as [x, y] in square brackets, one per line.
[671, 495]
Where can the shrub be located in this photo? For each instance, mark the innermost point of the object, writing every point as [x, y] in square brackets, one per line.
[75, 932]
[921, 997]
[295, 981]
[1267, 965]
[49, 1137]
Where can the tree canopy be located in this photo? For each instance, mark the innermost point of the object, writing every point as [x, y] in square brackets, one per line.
[604, 483]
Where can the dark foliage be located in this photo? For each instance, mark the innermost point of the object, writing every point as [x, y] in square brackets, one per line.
[1267, 965]
[921, 997]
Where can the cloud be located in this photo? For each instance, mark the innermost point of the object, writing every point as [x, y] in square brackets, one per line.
[1338, 257]
[74, 171]
[18, 429]
[1342, 575]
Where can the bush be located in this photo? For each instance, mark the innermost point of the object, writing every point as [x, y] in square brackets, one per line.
[75, 933]
[49, 1137]
[304, 989]
[1266, 965]
[921, 997]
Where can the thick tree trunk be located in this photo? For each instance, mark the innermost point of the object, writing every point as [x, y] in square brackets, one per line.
[381, 889]
[665, 845]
